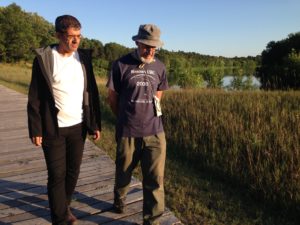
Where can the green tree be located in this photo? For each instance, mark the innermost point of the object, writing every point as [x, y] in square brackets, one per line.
[22, 32]
[213, 78]
[181, 73]
[248, 83]
[113, 51]
[95, 45]
[2, 37]
[292, 69]
[18, 33]
[42, 30]
[279, 62]
[237, 82]
[190, 80]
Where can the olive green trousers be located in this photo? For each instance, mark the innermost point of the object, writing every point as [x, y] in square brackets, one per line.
[150, 151]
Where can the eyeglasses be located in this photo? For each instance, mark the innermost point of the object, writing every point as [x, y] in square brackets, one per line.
[72, 37]
[147, 46]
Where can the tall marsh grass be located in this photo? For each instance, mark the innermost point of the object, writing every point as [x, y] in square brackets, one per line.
[16, 76]
[251, 137]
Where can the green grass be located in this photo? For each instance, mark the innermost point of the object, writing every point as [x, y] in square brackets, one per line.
[207, 132]
[248, 143]
[16, 76]
[255, 133]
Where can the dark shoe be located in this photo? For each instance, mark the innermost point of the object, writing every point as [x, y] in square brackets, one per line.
[155, 222]
[71, 219]
[119, 206]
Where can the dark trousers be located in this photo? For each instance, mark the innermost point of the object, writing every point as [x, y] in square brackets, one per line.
[63, 155]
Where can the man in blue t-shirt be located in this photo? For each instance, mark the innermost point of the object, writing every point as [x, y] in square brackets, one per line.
[135, 86]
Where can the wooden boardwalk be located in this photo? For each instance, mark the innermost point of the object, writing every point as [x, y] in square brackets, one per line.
[23, 177]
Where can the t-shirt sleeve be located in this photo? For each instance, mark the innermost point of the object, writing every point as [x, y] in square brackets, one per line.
[114, 79]
[163, 85]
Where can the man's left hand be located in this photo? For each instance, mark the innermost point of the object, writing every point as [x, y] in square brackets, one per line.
[96, 135]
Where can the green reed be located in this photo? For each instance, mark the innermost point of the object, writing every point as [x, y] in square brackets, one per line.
[251, 137]
[16, 76]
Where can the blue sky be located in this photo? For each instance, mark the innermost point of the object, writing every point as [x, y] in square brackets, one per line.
[212, 27]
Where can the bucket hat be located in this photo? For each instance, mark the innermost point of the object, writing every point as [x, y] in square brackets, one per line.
[149, 34]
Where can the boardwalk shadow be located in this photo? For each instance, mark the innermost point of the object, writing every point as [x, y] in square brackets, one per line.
[26, 201]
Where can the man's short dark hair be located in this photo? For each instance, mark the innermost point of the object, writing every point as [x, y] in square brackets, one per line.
[62, 23]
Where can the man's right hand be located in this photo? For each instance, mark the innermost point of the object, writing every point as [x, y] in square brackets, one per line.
[37, 141]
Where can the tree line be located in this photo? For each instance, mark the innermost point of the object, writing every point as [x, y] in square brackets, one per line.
[22, 32]
[280, 64]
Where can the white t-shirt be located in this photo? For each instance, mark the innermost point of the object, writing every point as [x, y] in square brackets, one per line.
[67, 84]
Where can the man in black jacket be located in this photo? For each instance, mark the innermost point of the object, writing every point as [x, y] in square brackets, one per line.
[63, 105]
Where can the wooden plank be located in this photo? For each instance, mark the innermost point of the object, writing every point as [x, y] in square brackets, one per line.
[110, 217]
[79, 196]
[90, 206]
[96, 181]
[85, 177]
[31, 165]
[87, 165]
[19, 173]
[13, 133]
[32, 152]
[93, 210]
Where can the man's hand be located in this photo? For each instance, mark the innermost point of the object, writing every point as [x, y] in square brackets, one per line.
[112, 100]
[37, 141]
[96, 135]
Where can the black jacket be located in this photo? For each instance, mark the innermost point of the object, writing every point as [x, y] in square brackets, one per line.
[41, 110]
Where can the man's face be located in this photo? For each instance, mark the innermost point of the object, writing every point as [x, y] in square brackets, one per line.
[145, 51]
[70, 40]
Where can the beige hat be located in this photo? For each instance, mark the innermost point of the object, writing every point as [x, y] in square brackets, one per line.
[149, 34]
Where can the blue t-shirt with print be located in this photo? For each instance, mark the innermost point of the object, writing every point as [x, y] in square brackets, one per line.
[135, 87]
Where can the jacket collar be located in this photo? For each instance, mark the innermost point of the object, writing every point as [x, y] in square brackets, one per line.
[46, 62]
